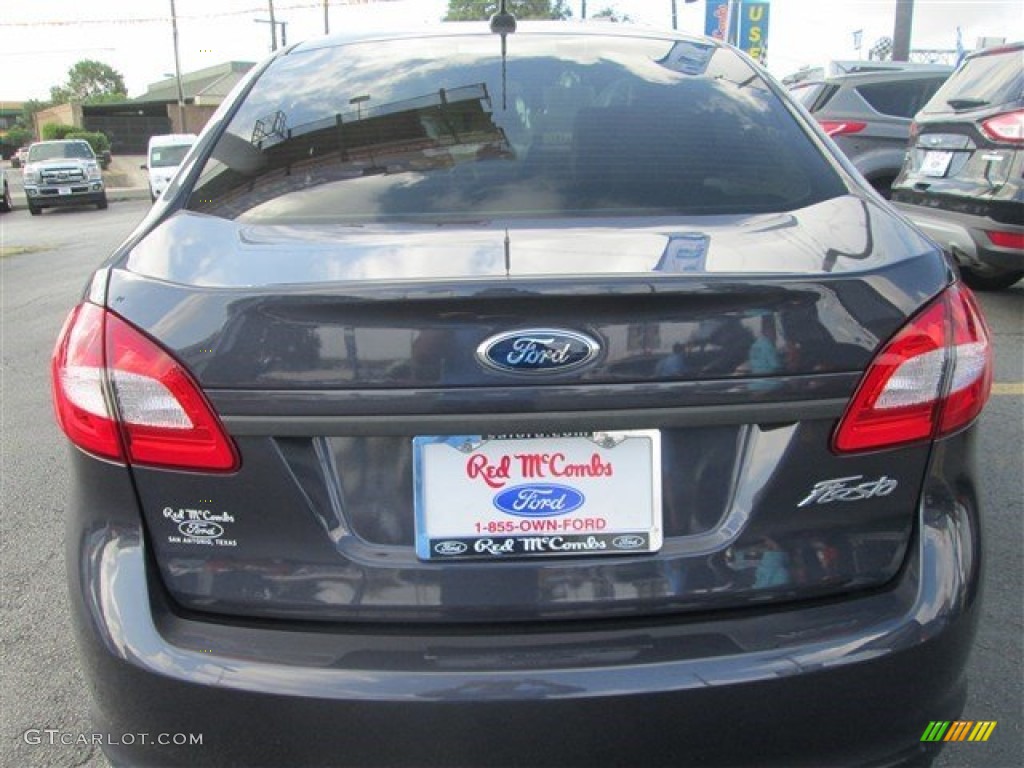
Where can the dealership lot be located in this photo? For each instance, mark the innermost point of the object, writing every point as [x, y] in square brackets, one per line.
[44, 265]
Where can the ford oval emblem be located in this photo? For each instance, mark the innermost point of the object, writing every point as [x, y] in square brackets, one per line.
[450, 547]
[197, 529]
[537, 351]
[628, 542]
[539, 500]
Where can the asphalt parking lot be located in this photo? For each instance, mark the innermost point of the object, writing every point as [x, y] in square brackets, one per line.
[44, 263]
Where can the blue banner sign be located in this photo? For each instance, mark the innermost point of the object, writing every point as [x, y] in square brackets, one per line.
[749, 16]
[753, 37]
[716, 18]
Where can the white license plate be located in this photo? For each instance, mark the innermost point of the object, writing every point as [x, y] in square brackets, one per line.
[532, 496]
[936, 163]
[63, 190]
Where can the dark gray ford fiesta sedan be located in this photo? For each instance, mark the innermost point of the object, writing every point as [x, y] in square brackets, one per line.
[555, 398]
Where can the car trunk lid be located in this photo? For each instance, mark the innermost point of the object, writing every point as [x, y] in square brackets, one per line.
[730, 346]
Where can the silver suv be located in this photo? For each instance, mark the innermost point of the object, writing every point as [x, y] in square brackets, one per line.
[59, 173]
[869, 115]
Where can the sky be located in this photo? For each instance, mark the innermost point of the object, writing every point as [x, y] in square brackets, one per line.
[41, 39]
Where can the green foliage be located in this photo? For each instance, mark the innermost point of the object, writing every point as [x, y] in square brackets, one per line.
[89, 81]
[611, 13]
[29, 109]
[97, 140]
[54, 131]
[477, 10]
[18, 136]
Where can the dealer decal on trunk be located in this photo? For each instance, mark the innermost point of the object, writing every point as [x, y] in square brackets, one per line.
[199, 526]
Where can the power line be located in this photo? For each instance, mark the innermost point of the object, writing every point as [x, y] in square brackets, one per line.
[188, 17]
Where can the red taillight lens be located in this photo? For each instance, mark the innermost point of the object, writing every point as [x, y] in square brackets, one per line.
[103, 366]
[1008, 127]
[930, 379]
[79, 397]
[1006, 239]
[842, 127]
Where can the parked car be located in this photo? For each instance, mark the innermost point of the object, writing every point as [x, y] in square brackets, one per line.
[869, 115]
[553, 398]
[62, 173]
[163, 158]
[19, 157]
[6, 203]
[963, 180]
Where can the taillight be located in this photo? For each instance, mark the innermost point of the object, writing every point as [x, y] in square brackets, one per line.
[932, 378]
[915, 131]
[1008, 127]
[842, 127]
[119, 395]
[1007, 239]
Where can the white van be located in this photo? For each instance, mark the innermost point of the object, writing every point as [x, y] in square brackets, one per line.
[163, 159]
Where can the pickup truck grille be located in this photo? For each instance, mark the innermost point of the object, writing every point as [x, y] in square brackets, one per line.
[62, 175]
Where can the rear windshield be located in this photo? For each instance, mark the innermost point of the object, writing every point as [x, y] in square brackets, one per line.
[900, 98]
[446, 128]
[168, 156]
[984, 81]
[75, 150]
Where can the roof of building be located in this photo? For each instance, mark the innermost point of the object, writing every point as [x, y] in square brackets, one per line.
[209, 85]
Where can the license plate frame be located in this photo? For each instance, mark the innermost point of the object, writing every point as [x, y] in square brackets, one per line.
[506, 497]
[62, 191]
[936, 163]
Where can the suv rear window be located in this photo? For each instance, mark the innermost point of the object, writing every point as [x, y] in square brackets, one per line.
[900, 98]
[442, 128]
[989, 80]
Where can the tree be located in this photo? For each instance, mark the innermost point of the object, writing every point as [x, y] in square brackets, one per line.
[612, 14]
[477, 10]
[89, 82]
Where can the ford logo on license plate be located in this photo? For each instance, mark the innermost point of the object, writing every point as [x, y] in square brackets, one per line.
[537, 350]
[539, 500]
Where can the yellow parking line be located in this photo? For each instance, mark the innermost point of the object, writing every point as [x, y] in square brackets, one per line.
[1008, 388]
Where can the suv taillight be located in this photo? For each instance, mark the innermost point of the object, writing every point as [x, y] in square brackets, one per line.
[842, 127]
[932, 378]
[119, 395]
[1008, 127]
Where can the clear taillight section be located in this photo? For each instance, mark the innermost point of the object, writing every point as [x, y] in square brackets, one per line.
[119, 395]
[930, 379]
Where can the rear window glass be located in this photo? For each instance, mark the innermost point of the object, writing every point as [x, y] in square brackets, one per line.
[900, 98]
[445, 128]
[983, 81]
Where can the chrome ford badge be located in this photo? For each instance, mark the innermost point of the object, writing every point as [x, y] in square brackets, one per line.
[537, 350]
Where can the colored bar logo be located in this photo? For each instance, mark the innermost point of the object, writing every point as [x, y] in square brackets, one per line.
[958, 730]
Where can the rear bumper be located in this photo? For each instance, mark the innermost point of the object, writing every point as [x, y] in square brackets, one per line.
[846, 682]
[963, 236]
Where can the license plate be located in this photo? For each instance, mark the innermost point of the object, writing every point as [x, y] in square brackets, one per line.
[936, 163]
[500, 497]
[63, 190]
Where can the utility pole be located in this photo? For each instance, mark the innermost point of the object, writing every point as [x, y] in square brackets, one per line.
[327, 21]
[273, 27]
[675, 21]
[901, 30]
[177, 71]
[583, 11]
